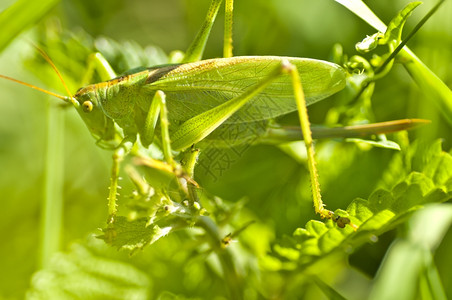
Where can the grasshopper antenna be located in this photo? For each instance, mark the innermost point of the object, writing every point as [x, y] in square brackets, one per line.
[69, 98]
[65, 98]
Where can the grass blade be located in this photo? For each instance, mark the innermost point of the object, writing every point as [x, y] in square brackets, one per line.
[52, 207]
[20, 16]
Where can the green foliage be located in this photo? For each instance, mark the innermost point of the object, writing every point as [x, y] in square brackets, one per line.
[409, 268]
[394, 31]
[430, 84]
[430, 181]
[244, 237]
[392, 35]
[82, 274]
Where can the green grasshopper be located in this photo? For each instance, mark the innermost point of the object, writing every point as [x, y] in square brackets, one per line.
[196, 97]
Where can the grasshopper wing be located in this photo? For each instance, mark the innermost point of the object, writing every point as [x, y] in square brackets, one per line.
[197, 87]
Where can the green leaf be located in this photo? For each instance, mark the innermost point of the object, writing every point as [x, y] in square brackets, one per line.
[162, 217]
[133, 235]
[430, 284]
[381, 144]
[381, 212]
[410, 258]
[394, 31]
[81, 274]
[329, 291]
[360, 9]
[432, 86]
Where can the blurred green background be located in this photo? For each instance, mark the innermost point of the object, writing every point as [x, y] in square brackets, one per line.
[274, 184]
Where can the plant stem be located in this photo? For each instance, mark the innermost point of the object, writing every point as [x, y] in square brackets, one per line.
[432, 86]
[230, 275]
[52, 206]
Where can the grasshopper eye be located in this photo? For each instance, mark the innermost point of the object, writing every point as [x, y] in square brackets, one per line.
[87, 106]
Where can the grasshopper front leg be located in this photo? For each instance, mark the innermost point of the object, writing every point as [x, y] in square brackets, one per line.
[98, 63]
[156, 110]
[118, 156]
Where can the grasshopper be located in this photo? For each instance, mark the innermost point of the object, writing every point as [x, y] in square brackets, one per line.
[193, 98]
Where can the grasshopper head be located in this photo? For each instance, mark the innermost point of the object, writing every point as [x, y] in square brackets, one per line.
[89, 108]
[86, 102]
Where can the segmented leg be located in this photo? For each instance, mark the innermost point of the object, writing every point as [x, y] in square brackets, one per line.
[307, 136]
[200, 126]
[118, 156]
[98, 63]
[196, 49]
[227, 41]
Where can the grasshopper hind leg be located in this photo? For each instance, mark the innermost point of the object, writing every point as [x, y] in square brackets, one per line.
[199, 127]
[300, 100]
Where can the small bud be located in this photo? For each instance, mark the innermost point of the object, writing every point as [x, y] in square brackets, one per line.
[369, 43]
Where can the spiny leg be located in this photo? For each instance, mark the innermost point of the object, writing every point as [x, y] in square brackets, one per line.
[307, 135]
[196, 49]
[98, 63]
[280, 133]
[200, 126]
[227, 41]
[319, 206]
[118, 156]
[164, 124]
[147, 136]
[190, 156]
